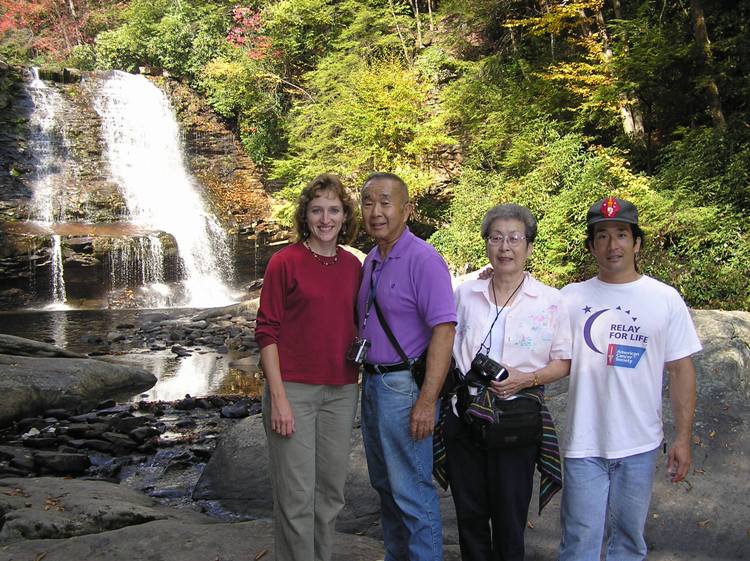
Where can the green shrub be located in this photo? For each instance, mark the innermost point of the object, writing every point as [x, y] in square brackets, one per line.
[82, 57]
[372, 118]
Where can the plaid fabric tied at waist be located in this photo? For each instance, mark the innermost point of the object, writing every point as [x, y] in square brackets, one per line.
[548, 462]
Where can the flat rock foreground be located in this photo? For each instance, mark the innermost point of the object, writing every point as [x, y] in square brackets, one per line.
[72, 519]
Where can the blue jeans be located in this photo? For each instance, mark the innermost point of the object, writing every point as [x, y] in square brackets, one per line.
[400, 469]
[611, 495]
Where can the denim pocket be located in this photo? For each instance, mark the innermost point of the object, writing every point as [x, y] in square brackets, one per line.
[400, 382]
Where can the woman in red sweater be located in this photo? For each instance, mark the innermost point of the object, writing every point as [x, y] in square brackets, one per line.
[304, 327]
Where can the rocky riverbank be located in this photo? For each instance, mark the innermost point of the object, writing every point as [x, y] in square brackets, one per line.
[187, 480]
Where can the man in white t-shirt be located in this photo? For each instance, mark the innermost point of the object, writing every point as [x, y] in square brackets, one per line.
[627, 327]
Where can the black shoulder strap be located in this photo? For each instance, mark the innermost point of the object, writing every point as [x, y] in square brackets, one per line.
[388, 332]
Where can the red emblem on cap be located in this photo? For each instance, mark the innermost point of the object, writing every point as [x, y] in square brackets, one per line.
[610, 207]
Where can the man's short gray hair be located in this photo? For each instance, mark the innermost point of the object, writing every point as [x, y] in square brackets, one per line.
[510, 212]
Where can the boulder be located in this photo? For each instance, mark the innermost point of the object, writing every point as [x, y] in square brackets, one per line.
[18, 346]
[31, 385]
[243, 490]
[53, 508]
[237, 477]
[247, 307]
[69, 520]
[61, 463]
[724, 364]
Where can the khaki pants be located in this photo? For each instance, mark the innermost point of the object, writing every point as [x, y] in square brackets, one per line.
[308, 469]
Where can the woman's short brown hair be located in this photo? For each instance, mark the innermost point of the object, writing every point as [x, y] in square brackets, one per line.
[326, 182]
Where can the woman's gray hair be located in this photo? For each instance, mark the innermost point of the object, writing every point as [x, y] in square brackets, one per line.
[510, 212]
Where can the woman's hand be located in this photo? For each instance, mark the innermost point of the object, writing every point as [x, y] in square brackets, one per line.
[515, 382]
[282, 416]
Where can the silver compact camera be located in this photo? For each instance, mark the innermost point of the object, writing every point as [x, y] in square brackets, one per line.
[485, 370]
[357, 352]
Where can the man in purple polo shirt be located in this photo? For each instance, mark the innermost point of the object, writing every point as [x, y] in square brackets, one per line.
[412, 286]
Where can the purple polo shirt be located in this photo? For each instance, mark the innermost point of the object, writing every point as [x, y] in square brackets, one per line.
[413, 288]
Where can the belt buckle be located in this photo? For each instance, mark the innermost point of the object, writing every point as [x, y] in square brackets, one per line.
[376, 368]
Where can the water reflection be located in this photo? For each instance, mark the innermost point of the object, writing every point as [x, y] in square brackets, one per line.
[59, 329]
[197, 375]
[203, 373]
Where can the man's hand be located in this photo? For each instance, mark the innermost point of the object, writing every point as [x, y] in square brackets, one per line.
[682, 394]
[678, 461]
[485, 273]
[422, 418]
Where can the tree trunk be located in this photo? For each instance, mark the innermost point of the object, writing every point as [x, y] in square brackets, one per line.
[545, 8]
[617, 7]
[700, 32]
[62, 26]
[429, 11]
[415, 9]
[398, 30]
[631, 115]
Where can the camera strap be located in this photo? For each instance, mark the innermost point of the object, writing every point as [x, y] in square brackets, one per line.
[388, 332]
[498, 311]
[371, 295]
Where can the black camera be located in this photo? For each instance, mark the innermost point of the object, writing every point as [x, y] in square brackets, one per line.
[357, 352]
[485, 370]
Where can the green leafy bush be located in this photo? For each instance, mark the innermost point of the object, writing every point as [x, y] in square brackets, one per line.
[371, 118]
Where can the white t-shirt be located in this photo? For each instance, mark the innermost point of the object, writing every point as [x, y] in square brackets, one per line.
[622, 336]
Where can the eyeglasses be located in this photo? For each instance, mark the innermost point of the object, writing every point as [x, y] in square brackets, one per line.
[513, 239]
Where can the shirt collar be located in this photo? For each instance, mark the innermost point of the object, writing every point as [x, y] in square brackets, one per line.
[529, 286]
[399, 248]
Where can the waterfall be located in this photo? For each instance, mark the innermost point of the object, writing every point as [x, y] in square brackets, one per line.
[139, 263]
[57, 282]
[49, 148]
[143, 150]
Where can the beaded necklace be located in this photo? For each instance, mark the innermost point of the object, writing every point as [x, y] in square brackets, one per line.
[323, 259]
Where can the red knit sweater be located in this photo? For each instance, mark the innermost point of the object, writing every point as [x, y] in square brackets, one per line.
[307, 309]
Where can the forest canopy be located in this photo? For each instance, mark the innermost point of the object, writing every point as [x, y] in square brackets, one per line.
[547, 103]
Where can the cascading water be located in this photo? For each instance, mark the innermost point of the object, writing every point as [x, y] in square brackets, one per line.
[143, 149]
[140, 263]
[58, 282]
[49, 148]
[136, 262]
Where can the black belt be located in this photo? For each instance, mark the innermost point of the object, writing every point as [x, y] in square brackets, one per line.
[385, 368]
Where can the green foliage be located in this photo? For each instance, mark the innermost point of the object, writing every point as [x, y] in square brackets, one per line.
[241, 88]
[179, 37]
[120, 48]
[15, 46]
[301, 31]
[506, 103]
[706, 165]
[460, 243]
[372, 118]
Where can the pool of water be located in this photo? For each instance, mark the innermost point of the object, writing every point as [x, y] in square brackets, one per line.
[205, 372]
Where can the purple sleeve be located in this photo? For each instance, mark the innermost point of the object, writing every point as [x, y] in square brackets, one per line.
[434, 291]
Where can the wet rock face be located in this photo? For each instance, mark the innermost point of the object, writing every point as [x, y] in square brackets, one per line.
[31, 384]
